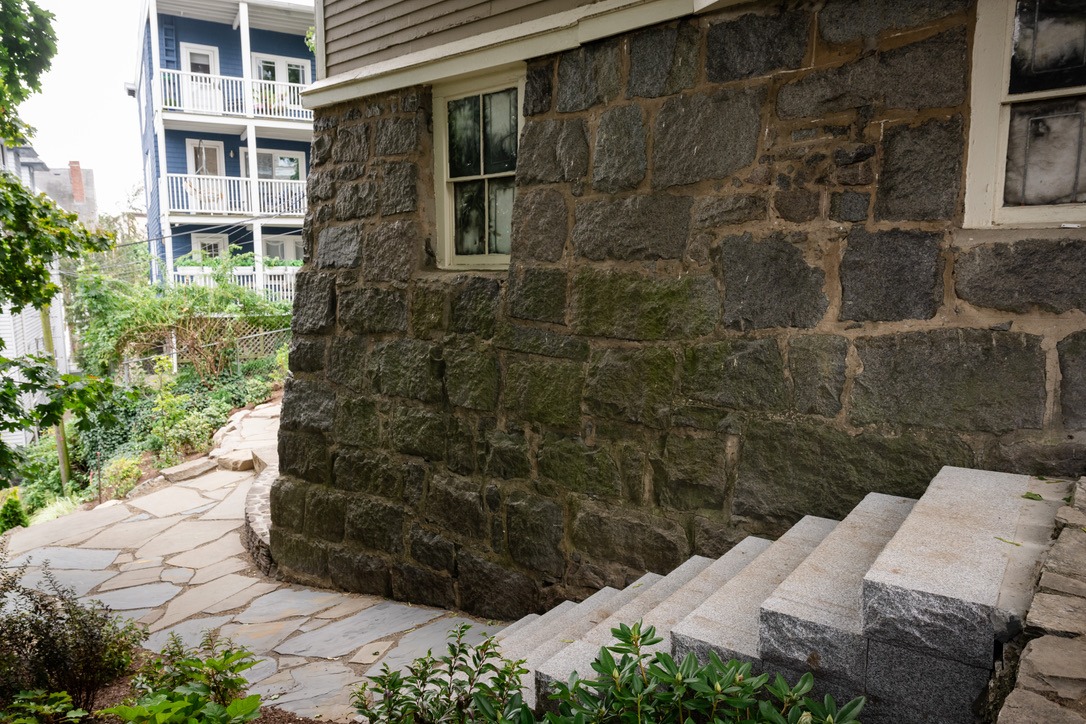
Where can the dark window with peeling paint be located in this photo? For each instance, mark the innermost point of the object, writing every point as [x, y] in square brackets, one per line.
[1049, 45]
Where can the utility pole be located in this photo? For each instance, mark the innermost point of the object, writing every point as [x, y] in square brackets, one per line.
[62, 439]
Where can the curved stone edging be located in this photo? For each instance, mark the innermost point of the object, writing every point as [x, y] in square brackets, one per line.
[256, 536]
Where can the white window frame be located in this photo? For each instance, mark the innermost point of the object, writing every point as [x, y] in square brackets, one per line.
[503, 78]
[291, 246]
[300, 155]
[198, 241]
[986, 167]
[281, 62]
[190, 162]
[211, 50]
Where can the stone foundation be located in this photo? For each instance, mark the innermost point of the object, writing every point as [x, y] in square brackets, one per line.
[739, 294]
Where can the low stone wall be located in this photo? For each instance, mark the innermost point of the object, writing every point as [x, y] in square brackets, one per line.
[739, 294]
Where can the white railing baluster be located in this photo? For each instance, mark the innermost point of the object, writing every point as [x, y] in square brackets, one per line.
[282, 197]
[197, 194]
[221, 94]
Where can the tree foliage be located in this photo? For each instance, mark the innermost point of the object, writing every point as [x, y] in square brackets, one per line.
[27, 46]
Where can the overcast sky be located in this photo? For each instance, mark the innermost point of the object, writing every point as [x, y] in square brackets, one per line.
[83, 113]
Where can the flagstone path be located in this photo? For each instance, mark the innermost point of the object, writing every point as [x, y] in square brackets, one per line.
[171, 556]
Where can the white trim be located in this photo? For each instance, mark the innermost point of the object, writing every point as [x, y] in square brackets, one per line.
[192, 143]
[185, 48]
[290, 242]
[443, 188]
[300, 155]
[281, 62]
[518, 43]
[318, 41]
[199, 239]
[989, 127]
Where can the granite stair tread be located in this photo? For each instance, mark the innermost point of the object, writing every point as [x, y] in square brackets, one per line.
[534, 622]
[670, 604]
[814, 617]
[956, 576]
[727, 621]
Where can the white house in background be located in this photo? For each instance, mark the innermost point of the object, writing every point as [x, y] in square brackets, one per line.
[219, 84]
[73, 189]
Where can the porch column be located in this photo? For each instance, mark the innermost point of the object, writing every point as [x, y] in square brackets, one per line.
[254, 205]
[160, 143]
[246, 57]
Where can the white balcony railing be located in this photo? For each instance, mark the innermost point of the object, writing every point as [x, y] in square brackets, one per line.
[197, 194]
[278, 280]
[228, 95]
[282, 197]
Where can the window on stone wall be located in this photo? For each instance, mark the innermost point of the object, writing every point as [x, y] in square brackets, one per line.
[476, 132]
[1027, 153]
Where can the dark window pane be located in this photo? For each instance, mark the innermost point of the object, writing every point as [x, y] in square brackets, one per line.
[500, 131]
[295, 73]
[1045, 153]
[500, 201]
[464, 137]
[1049, 45]
[469, 207]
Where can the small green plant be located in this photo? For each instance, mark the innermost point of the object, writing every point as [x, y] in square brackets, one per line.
[185, 685]
[40, 707]
[54, 642]
[12, 514]
[121, 475]
[468, 684]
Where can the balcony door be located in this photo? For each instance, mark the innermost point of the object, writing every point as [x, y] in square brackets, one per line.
[281, 177]
[279, 82]
[201, 88]
[207, 190]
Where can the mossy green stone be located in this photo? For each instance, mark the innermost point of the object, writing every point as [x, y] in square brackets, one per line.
[545, 391]
[471, 375]
[743, 374]
[635, 385]
[630, 305]
[575, 466]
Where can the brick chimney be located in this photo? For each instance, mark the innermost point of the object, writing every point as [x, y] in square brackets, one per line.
[78, 193]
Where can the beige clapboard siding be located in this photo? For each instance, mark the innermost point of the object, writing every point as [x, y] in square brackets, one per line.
[360, 32]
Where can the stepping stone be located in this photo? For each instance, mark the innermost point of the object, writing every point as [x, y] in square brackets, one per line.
[177, 575]
[267, 667]
[348, 607]
[814, 618]
[218, 570]
[217, 480]
[140, 563]
[347, 635]
[430, 638]
[1057, 615]
[169, 501]
[188, 470]
[727, 622]
[200, 509]
[959, 573]
[138, 577]
[242, 598]
[190, 632]
[1053, 666]
[185, 536]
[262, 637]
[318, 690]
[75, 527]
[68, 558]
[131, 534]
[82, 582]
[370, 653]
[236, 460]
[150, 595]
[1025, 707]
[233, 505]
[286, 603]
[265, 456]
[200, 598]
[208, 555]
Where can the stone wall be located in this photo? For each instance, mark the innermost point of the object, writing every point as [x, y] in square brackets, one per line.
[739, 294]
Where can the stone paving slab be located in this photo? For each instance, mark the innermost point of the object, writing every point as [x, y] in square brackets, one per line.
[172, 558]
[82, 582]
[430, 638]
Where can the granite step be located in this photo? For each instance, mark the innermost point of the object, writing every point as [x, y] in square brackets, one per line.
[517, 625]
[813, 619]
[727, 621]
[571, 626]
[958, 575]
[670, 604]
[521, 637]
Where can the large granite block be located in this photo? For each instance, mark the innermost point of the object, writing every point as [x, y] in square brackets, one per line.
[959, 574]
[926, 688]
[813, 618]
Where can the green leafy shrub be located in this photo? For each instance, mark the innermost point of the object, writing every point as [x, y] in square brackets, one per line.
[184, 685]
[469, 684]
[476, 684]
[40, 707]
[12, 514]
[54, 642]
[122, 474]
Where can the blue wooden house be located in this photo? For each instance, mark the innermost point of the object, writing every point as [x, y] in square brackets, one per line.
[226, 141]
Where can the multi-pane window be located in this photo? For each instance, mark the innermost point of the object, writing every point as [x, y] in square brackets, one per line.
[1045, 160]
[478, 132]
[1035, 50]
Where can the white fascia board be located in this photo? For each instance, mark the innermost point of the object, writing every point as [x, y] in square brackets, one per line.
[545, 36]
